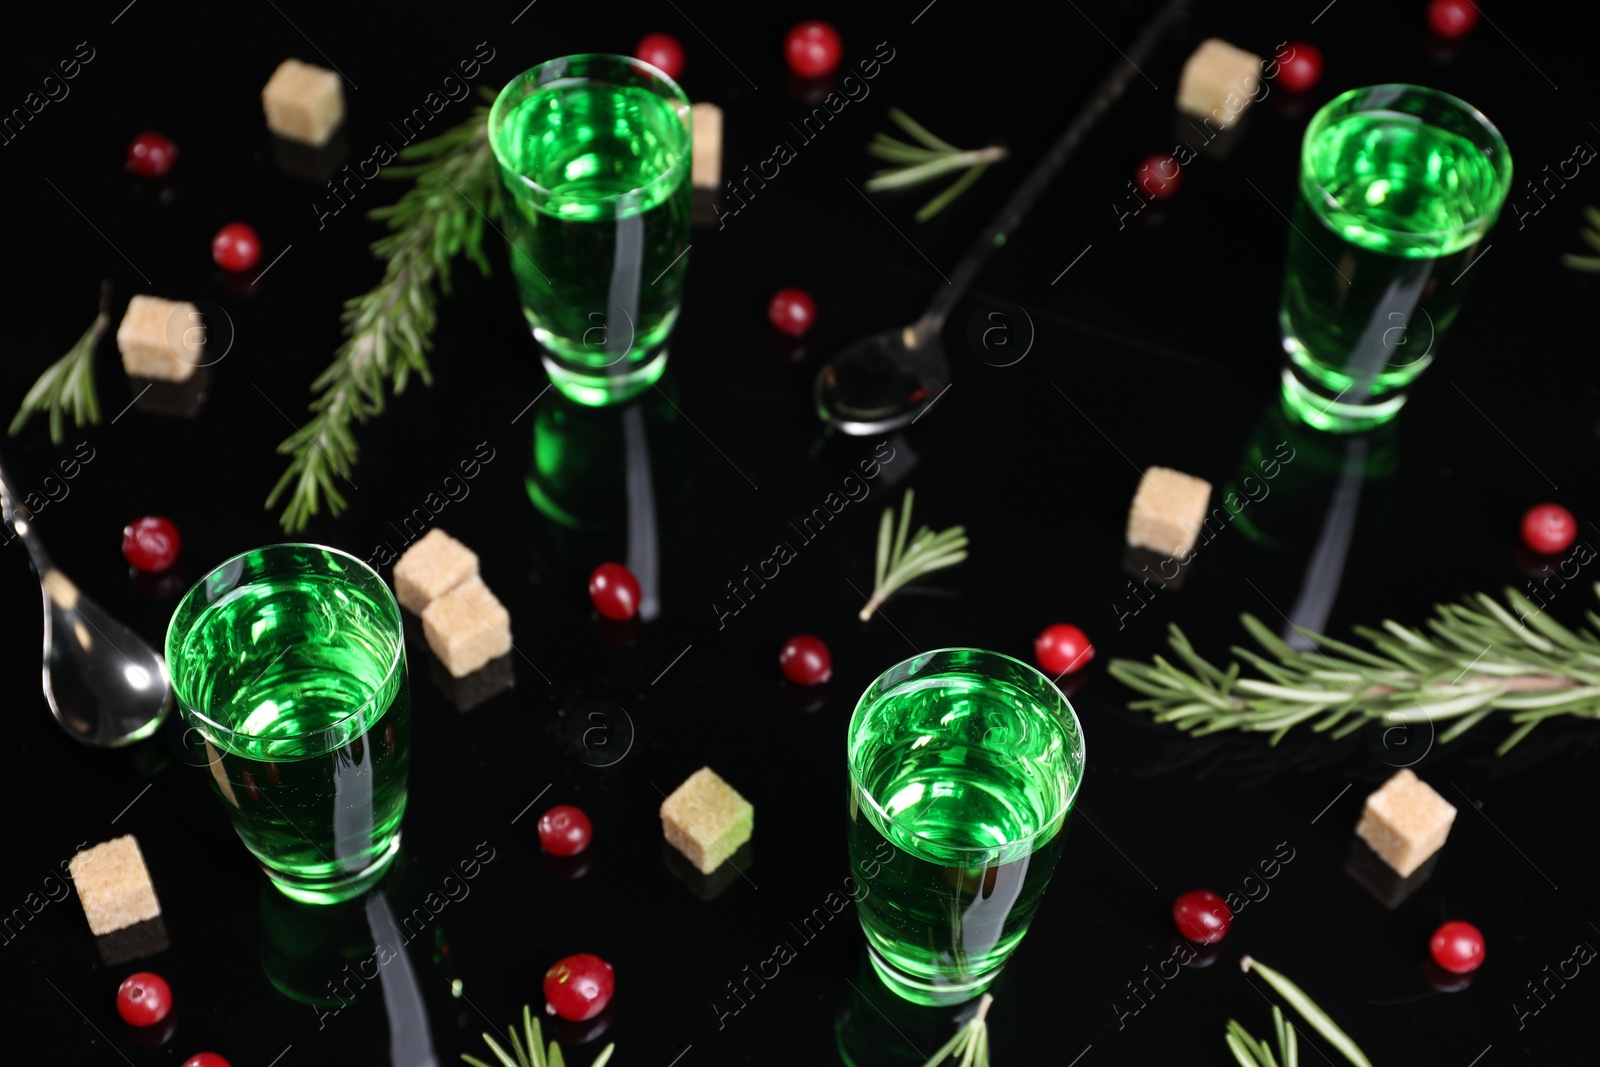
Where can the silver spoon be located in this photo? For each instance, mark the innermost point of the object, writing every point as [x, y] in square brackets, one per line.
[105, 685]
[883, 381]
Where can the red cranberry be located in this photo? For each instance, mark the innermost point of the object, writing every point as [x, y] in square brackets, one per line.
[144, 999]
[236, 248]
[812, 49]
[614, 591]
[1457, 947]
[1302, 69]
[1202, 916]
[1549, 528]
[1159, 176]
[565, 830]
[662, 51]
[578, 987]
[151, 155]
[792, 311]
[150, 544]
[805, 660]
[1452, 18]
[1062, 649]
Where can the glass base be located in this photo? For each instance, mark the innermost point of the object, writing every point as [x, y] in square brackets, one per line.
[933, 993]
[1311, 406]
[344, 886]
[601, 390]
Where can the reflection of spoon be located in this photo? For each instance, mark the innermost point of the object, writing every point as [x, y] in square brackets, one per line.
[105, 685]
[883, 381]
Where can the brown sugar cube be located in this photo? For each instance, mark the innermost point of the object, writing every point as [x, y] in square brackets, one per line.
[303, 102]
[1168, 510]
[467, 627]
[1218, 81]
[161, 339]
[1405, 822]
[706, 820]
[431, 568]
[707, 170]
[114, 885]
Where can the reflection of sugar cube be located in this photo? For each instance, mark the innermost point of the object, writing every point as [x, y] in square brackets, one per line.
[432, 567]
[161, 339]
[1215, 70]
[1168, 510]
[303, 102]
[114, 885]
[706, 820]
[467, 627]
[707, 168]
[1405, 822]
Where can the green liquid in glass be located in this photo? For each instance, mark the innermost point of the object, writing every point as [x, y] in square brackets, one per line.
[599, 212]
[964, 780]
[300, 673]
[1391, 211]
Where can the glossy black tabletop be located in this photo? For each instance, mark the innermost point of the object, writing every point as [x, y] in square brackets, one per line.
[1155, 343]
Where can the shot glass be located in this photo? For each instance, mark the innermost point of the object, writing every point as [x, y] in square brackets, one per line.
[1398, 185]
[963, 767]
[289, 669]
[594, 154]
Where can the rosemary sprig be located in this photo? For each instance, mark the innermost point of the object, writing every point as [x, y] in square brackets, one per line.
[1476, 658]
[1253, 1053]
[899, 562]
[1591, 237]
[929, 159]
[69, 381]
[971, 1042]
[388, 331]
[533, 1053]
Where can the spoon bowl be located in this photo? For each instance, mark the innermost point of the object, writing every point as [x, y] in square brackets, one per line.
[104, 683]
[878, 384]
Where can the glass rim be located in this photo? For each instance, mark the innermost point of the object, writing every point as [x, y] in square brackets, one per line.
[1076, 730]
[1323, 114]
[680, 98]
[187, 709]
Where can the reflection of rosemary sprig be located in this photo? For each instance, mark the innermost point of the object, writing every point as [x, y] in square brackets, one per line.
[971, 1042]
[899, 562]
[932, 159]
[1476, 658]
[69, 381]
[389, 329]
[1591, 237]
[1251, 1052]
[533, 1053]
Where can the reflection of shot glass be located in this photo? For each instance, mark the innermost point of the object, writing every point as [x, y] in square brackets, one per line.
[1398, 184]
[963, 768]
[594, 154]
[288, 663]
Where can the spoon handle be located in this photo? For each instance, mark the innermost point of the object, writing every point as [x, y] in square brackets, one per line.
[16, 525]
[1010, 214]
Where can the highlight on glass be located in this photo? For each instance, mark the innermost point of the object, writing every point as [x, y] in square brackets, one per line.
[288, 665]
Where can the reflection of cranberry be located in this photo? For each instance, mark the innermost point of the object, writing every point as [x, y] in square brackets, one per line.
[579, 1033]
[618, 633]
[157, 1035]
[1443, 980]
[806, 699]
[568, 868]
[1199, 956]
[166, 585]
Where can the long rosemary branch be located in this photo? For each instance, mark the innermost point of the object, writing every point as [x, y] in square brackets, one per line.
[388, 330]
[1476, 657]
